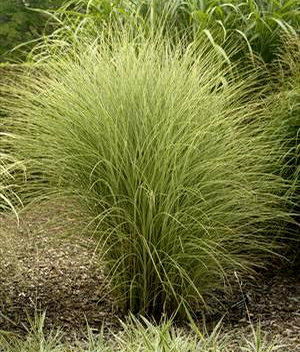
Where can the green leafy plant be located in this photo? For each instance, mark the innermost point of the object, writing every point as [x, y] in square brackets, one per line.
[255, 27]
[35, 339]
[256, 24]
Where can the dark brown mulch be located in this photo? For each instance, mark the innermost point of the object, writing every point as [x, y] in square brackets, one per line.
[47, 264]
[274, 301]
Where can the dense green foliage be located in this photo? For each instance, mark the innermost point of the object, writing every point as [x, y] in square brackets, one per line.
[284, 104]
[20, 24]
[188, 167]
[177, 171]
[254, 26]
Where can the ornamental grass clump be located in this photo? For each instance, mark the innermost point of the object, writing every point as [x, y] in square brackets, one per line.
[175, 170]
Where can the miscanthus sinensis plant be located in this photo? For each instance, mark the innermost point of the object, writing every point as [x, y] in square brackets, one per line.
[172, 164]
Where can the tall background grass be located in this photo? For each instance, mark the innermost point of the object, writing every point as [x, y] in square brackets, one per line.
[254, 26]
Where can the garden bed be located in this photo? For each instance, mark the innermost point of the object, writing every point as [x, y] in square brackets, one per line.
[46, 264]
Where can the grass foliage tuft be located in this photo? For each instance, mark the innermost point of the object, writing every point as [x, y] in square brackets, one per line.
[172, 164]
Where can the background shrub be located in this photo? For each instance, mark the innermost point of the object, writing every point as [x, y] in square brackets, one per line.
[19, 23]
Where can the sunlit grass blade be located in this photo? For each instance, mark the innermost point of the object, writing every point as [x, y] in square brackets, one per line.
[9, 166]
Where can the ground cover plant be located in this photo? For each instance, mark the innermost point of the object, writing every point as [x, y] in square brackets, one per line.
[141, 335]
[175, 169]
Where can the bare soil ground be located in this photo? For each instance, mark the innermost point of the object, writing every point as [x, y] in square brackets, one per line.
[46, 264]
